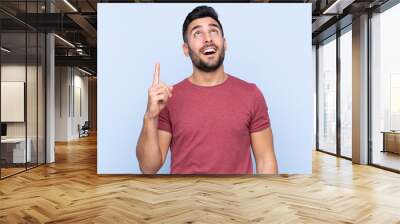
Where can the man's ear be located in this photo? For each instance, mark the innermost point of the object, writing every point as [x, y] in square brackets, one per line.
[225, 44]
[185, 48]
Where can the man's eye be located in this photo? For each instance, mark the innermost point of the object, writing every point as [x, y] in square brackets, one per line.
[197, 33]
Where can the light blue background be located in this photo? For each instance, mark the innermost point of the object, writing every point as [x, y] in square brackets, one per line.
[268, 44]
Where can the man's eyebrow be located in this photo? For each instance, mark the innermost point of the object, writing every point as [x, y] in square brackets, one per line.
[214, 25]
[211, 24]
[195, 27]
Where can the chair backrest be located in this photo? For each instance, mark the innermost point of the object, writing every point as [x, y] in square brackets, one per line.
[86, 125]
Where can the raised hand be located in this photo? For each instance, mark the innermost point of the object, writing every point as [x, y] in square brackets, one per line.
[158, 95]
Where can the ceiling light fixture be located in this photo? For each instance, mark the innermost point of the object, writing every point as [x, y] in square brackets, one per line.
[5, 50]
[65, 41]
[84, 71]
[70, 5]
[337, 7]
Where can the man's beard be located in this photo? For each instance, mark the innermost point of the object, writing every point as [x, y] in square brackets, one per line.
[205, 66]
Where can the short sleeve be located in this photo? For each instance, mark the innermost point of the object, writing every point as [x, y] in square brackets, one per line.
[259, 112]
[164, 122]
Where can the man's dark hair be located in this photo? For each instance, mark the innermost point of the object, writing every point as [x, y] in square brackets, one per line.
[197, 13]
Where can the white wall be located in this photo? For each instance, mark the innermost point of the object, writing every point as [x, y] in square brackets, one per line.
[61, 103]
[69, 82]
[80, 84]
[12, 73]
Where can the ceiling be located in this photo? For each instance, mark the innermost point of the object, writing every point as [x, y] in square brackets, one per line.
[76, 22]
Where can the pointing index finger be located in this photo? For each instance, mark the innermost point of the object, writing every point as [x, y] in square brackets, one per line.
[156, 78]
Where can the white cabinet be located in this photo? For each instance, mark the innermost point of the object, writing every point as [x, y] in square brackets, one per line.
[18, 149]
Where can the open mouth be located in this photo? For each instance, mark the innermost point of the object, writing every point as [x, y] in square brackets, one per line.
[209, 51]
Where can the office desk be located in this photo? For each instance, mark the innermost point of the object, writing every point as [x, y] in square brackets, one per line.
[391, 141]
[15, 148]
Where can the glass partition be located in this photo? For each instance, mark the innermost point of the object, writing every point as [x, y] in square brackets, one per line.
[32, 95]
[327, 96]
[41, 85]
[13, 110]
[22, 77]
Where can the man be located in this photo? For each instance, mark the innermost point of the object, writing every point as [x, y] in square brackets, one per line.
[210, 119]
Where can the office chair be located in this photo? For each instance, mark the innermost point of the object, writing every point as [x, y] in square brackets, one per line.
[84, 130]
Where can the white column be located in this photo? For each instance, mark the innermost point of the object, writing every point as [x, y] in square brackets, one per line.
[50, 93]
[360, 90]
[50, 100]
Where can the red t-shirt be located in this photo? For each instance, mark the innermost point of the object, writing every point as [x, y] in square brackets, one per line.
[211, 126]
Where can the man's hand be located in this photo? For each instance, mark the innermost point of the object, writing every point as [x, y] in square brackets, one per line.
[158, 95]
[153, 144]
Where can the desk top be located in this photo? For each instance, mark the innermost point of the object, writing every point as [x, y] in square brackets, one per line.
[390, 132]
[13, 140]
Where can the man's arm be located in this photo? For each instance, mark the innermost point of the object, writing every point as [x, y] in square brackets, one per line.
[152, 147]
[153, 144]
[263, 150]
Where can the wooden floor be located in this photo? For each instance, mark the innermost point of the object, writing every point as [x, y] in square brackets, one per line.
[388, 159]
[5, 172]
[70, 191]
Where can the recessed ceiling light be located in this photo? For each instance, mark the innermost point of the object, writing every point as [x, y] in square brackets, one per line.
[65, 41]
[338, 6]
[5, 50]
[84, 71]
[70, 5]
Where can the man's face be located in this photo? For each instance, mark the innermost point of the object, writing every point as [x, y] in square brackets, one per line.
[205, 44]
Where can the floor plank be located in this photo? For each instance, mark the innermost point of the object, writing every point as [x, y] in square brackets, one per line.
[70, 191]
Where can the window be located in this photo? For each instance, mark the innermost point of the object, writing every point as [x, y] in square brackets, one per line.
[346, 93]
[327, 96]
[385, 88]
